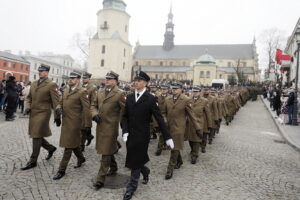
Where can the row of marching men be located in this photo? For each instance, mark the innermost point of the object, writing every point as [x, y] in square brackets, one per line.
[198, 110]
[79, 104]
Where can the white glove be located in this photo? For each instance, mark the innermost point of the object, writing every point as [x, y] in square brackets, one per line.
[125, 136]
[170, 143]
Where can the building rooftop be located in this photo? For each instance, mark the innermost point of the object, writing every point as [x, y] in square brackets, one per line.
[218, 51]
[10, 56]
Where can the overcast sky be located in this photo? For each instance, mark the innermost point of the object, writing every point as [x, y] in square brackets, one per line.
[49, 25]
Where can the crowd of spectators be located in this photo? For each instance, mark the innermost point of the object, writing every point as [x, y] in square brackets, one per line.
[282, 102]
[12, 97]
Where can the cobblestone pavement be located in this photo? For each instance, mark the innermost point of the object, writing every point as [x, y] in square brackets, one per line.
[248, 160]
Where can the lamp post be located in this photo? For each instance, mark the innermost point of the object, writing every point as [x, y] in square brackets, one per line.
[295, 110]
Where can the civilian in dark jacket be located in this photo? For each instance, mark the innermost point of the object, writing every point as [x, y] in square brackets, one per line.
[12, 97]
[277, 102]
[290, 105]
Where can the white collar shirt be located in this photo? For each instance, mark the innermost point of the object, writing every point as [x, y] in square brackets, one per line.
[140, 94]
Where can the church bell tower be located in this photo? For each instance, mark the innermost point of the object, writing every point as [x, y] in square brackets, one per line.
[169, 34]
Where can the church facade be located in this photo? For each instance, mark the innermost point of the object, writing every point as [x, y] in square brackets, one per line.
[200, 63]
[110, 49]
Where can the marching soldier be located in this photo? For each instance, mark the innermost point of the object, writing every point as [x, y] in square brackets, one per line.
[177, 108]
[106, 110]
[161, 102]
[154, 126]
[200, 108]
[43, 96]
[74, 107]
[91, 90]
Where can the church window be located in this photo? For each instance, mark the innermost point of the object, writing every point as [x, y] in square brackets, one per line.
[184, 63]
[171, 63]
[123, 65]
[220, 76]
[161, 63]
[208, 74]
[156, 76]
[124, 52]
[229, 64]
[105, 24]
[34, 77]
[167, 76]
[103, 49]
[102, 63]
[202, 74]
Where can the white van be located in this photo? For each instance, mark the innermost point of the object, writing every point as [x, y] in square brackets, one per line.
[219, 83]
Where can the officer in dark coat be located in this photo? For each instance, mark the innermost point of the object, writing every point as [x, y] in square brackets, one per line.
[12, 96]
[139, 108]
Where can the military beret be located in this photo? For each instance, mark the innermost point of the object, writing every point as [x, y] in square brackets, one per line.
[74, 75]
[142, 76]
[164, 87]
[44, 67]
[196, 89]
[176, 85]
[87, 75]
[112, 75]
[152, 86]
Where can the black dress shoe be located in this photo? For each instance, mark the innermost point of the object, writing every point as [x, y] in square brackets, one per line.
[89, 140]
[203, 150]
[59, 175]
[50, 153]
[178, 165]
[111, 172]
[193, 161]
[29, 166]
[98, 185]
[146, 179]
[79, 163]
[210, 142]
[82, 147]
[158, 152]
[128, 195]
[168, 176]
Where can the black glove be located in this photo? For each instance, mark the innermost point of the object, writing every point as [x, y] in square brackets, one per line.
[217, 121]
[57, 122]
[157, 129]
[97, 119]
[27, 111]
[199, 134]
[87, 129]
[58, 112]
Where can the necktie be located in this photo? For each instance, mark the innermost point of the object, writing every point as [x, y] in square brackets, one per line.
[106, 92]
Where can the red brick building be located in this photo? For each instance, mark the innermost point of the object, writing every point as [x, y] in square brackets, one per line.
[13, 65]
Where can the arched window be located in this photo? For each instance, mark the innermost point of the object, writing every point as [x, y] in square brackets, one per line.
[103, 49]
[208, 74]
[202, 74]
[102, 63]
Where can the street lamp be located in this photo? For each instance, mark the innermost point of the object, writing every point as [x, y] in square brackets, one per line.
[295, 111]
